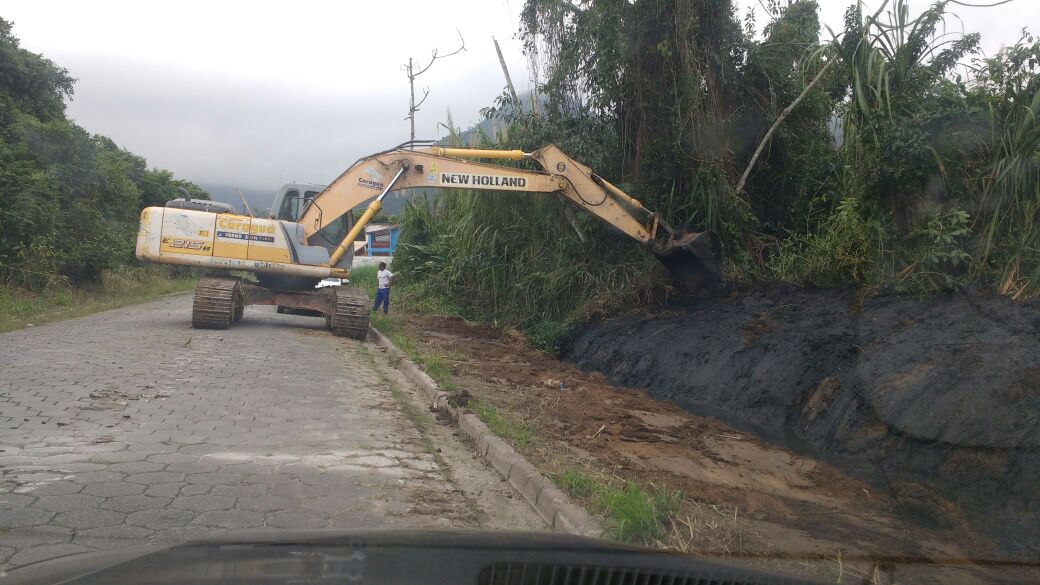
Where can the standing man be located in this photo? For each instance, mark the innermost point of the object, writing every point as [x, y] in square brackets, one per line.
[384, 278]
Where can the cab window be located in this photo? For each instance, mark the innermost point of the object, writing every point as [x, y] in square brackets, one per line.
[292, 206]
[337, 229]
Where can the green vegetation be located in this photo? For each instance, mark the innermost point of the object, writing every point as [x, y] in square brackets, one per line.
[365, 278]
[633, 513]
[518, 261]
[636, 514]
[576, 483]
[115, 288]
[507, 426]
[69, 200]
[438, 366]
[547, 336]
[909, 162]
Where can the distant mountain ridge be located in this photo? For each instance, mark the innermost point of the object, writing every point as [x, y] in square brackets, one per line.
[393, 204]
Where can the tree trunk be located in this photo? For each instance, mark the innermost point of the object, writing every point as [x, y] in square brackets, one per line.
[779, 120]
[411, 101]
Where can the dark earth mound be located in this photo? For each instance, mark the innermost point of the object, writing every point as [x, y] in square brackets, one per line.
[936, 400]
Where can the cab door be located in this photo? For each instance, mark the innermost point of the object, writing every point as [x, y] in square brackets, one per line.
[291, 207]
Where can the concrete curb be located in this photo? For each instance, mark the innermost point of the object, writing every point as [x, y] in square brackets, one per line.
[547, 500]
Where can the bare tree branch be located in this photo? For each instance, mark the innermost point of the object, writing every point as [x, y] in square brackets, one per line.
[435, 54]
[412, 71]
[426, 94]
[779, 120]
[787, 111]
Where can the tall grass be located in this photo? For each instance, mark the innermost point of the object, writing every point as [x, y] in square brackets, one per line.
[934, 182]
[521, 260]
[1008, 199]
[364, 278]
[21, 306]
[939, 181]
[635, 513]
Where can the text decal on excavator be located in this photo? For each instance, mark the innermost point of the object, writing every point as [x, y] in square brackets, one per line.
[482, 180]
[242, 236]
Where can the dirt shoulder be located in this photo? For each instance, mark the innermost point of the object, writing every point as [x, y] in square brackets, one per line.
[717, 490]
[932, 400]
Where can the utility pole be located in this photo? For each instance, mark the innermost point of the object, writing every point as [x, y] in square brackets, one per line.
[413, 70]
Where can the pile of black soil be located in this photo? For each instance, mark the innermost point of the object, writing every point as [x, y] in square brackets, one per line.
[936, 400]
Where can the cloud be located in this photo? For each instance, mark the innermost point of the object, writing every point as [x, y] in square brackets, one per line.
[257, 134]
[254, 94]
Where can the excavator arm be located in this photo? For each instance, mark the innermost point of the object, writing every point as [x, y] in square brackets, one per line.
[693, 258]
[205, 235]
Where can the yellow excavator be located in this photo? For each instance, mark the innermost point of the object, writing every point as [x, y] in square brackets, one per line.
[310, 235]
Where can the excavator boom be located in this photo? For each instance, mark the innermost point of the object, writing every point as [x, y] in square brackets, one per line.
[288, 256]
[692, 258]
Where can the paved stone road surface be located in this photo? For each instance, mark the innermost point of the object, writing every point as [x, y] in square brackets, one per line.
[128, 427]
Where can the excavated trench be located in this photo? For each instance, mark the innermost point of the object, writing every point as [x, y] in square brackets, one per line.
[936, 401]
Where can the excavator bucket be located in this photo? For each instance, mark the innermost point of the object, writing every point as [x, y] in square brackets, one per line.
[694, 259]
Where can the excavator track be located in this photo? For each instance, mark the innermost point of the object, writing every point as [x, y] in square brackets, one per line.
[218, 303]
[350, 317]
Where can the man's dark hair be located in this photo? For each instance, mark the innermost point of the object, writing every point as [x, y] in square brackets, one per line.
[382, 265]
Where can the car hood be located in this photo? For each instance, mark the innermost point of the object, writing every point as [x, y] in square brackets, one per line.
[389, 558]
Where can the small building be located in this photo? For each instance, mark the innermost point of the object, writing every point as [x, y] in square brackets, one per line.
[381, 239]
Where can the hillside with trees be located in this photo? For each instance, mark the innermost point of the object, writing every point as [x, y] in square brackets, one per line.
[888, 155]
[69, 200]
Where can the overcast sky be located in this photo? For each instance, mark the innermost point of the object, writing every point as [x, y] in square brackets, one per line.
[254, 94]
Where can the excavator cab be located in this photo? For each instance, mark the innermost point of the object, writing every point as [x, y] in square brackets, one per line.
[287, 207]
[291, 201]
[292, 198]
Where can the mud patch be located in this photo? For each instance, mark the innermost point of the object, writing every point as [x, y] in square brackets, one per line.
[934, 403]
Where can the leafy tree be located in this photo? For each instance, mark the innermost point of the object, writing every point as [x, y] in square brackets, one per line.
[69, 200]
[886, 160]
[28, 82]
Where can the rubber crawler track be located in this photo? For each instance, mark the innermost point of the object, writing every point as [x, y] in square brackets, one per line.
[350, 318]
[218, 303]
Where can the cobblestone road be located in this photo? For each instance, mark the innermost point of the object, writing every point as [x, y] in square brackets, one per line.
[128, 427]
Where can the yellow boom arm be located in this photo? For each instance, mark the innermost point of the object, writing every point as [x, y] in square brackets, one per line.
[444, 168]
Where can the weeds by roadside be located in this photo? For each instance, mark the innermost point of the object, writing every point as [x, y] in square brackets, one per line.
[514, 429]
[20, 307]
[548, 336]
[632, 512]
[635, 513]
[364, 278]
[437, 366]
